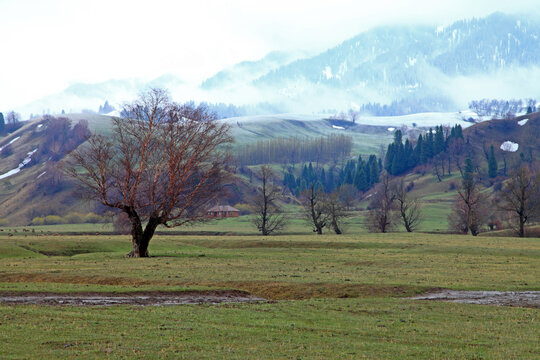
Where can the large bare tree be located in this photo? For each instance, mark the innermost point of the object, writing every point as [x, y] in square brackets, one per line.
[269, 217]
[162, 165]
[520, 196]
[410, 210]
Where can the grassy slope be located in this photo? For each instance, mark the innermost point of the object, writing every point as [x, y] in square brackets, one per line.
[338, 297]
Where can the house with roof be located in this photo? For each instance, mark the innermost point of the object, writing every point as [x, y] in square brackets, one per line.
[222, 211]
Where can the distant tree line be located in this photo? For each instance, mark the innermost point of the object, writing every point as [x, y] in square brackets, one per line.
[357, 174]
[10, 123]
[502, 108]
[401, 157]
[296, 150]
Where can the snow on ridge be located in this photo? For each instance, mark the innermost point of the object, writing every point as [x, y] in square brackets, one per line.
[25, 162]
[509, 146]
[9, 143]
[338, 127]
[522, 122]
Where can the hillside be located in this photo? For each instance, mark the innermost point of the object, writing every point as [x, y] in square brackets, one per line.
[31, 184]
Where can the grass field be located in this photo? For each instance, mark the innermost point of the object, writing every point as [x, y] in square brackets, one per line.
[331, 297]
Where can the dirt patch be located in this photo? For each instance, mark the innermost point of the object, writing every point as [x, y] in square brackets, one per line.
[303, 291]
[500, 298]
[141, 299]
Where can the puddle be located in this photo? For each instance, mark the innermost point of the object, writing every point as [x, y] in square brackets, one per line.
[141, 299]
[500, 298]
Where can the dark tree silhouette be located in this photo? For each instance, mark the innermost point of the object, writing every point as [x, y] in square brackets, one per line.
[269, 217]
[410, 210]
[312, 200]
[520, 196]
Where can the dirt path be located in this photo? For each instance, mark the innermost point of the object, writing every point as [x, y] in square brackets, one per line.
[500, 298]
[142, 299]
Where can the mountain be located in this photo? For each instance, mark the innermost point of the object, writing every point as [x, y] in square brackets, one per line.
[424, 68]
[395, 62]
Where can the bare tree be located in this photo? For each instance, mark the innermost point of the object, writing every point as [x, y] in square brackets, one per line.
[336, 211]
[269, 217]
[410, 210]
[469, 211]
[382, 215]
[162, 165]
[312, 200]
[520, 196]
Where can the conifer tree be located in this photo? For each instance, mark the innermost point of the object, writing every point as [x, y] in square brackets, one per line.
[2, 123]
[492, 163]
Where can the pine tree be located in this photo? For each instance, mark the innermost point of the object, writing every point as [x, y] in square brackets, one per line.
[492, 163]
[2, 123]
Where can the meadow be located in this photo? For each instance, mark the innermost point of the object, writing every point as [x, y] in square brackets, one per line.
[329, 296]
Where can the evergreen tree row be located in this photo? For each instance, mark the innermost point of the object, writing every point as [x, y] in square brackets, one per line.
[401, 157]
[358, 173]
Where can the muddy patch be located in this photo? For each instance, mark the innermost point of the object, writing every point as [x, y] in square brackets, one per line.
[499, 298]
[141, 299]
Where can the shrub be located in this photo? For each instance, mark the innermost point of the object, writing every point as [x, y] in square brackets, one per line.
[54, 220]
[452, 186]
[74, 218]
[92, 218]
[38, 221]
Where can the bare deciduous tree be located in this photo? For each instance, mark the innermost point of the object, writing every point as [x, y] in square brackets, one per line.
[520, 196]
[469, 212]
[336, 211]
[382, 215]
[410, 210]
[312, 200]
[269, 217]
[162, 165]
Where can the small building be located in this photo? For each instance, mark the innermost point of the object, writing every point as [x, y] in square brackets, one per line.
[222, 211]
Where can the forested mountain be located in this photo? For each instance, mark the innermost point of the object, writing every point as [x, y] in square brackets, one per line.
[410, 62]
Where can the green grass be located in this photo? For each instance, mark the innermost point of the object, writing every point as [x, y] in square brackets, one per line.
[334, 297]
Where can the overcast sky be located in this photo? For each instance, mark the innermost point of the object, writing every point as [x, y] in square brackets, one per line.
[49, 44]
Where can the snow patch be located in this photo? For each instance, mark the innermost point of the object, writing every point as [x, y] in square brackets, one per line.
[412, 61]
[391, 129]
[39, 125]
[9, 143]
[327, 72]
[40, 175]
[25, 162]
[509, 146]
[338, 127]
[522, 122]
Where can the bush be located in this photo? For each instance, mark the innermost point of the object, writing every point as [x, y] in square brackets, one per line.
[74, 218]
[38, 221]
[54, 220]
[452, 186]
[92, 218]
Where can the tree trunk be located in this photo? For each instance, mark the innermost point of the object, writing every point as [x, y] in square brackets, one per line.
[139, 238]
[521, 226]
[337, 230]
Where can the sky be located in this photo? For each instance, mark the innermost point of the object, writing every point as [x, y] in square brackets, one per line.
[46, 45]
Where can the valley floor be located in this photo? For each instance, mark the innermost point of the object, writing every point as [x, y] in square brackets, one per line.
[330, 297]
